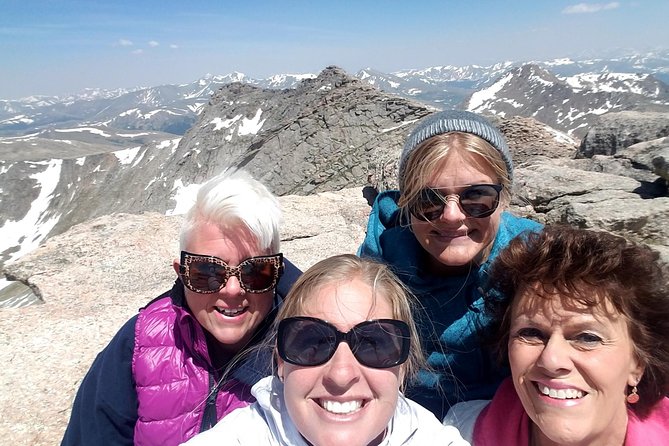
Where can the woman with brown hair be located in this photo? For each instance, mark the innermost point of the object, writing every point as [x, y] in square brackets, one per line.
[586, 334]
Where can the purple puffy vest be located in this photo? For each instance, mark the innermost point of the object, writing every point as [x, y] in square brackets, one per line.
[171, 368]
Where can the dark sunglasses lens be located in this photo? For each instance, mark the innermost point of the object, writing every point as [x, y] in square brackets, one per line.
[479, 201]
[257, 274]
[206, 276]
[428, 205]
[377, 344]
[305, 342]
[381, 344]
[476, 201]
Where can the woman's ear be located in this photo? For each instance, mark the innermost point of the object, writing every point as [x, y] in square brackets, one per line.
[177, 266]
[636, 372]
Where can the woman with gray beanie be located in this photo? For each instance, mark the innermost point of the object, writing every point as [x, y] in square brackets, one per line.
[440, 232]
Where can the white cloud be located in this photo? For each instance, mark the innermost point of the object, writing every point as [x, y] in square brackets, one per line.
[585, 8]
[174, 46]
[125, 42]
[138, 51]
[153, 43]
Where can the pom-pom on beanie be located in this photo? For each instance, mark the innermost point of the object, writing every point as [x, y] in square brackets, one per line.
[455, 121]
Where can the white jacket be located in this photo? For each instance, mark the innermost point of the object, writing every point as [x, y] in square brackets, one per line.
[266, 422]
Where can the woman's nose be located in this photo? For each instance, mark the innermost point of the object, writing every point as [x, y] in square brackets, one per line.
[452, 210]
[555, 358]
[342, 370]
[232, 287]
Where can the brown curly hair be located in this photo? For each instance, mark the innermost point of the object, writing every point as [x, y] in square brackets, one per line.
[572, 262]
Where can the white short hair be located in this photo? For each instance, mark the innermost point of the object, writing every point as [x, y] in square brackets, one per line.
[231, 198]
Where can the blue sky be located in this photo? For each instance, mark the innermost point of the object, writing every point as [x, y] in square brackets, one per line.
[57, 47]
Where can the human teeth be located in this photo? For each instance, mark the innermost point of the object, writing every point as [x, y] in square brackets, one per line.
[341, 408]
[561, 394]
[230, 312]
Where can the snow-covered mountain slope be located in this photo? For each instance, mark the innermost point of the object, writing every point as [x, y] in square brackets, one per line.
[570, 103]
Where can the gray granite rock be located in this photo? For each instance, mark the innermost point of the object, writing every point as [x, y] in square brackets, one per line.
[652, 156]
[616, 131]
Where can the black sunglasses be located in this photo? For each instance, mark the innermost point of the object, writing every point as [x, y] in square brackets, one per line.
[208, 274]
[308, 341]
[476, 201]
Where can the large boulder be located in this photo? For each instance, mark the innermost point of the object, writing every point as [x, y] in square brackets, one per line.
[616, 131]
[558, 193]
[652, 156]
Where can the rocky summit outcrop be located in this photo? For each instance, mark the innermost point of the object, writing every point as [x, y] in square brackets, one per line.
[329, 133]
[562, 191]
[652, 155]
[529, 138]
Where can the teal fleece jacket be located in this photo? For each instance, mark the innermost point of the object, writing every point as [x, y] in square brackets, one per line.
[451, 314]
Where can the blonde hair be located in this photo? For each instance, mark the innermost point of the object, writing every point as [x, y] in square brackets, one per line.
[384, 284]
[433, 154]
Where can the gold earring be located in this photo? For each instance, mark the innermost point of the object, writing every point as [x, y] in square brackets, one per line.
[633, 397]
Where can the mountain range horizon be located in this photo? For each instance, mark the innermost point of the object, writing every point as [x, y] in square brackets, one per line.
[123, 118]
[469, 71]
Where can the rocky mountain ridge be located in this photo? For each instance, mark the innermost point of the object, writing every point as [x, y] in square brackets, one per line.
[450, 86]
[166, 108]
[329, 133]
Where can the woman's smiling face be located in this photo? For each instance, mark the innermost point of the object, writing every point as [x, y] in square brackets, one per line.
[571, 367]
[454, 239]
[342, 402]
[230, 315]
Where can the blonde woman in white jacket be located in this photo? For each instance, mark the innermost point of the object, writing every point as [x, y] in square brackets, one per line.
[346, 343]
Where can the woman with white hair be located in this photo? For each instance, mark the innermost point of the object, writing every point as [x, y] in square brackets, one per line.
[178, 366]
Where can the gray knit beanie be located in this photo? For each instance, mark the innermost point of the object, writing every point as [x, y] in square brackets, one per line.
[455, 121]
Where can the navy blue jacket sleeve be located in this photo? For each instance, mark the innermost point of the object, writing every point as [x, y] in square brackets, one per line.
[105, 408]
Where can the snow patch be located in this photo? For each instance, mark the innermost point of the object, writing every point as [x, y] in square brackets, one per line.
[132, 135]
[84, 129]
[479, 98]
[184, 196]
[251, 126]
[168, 143]
[126, 156]
[29, 232]
[224, 123]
